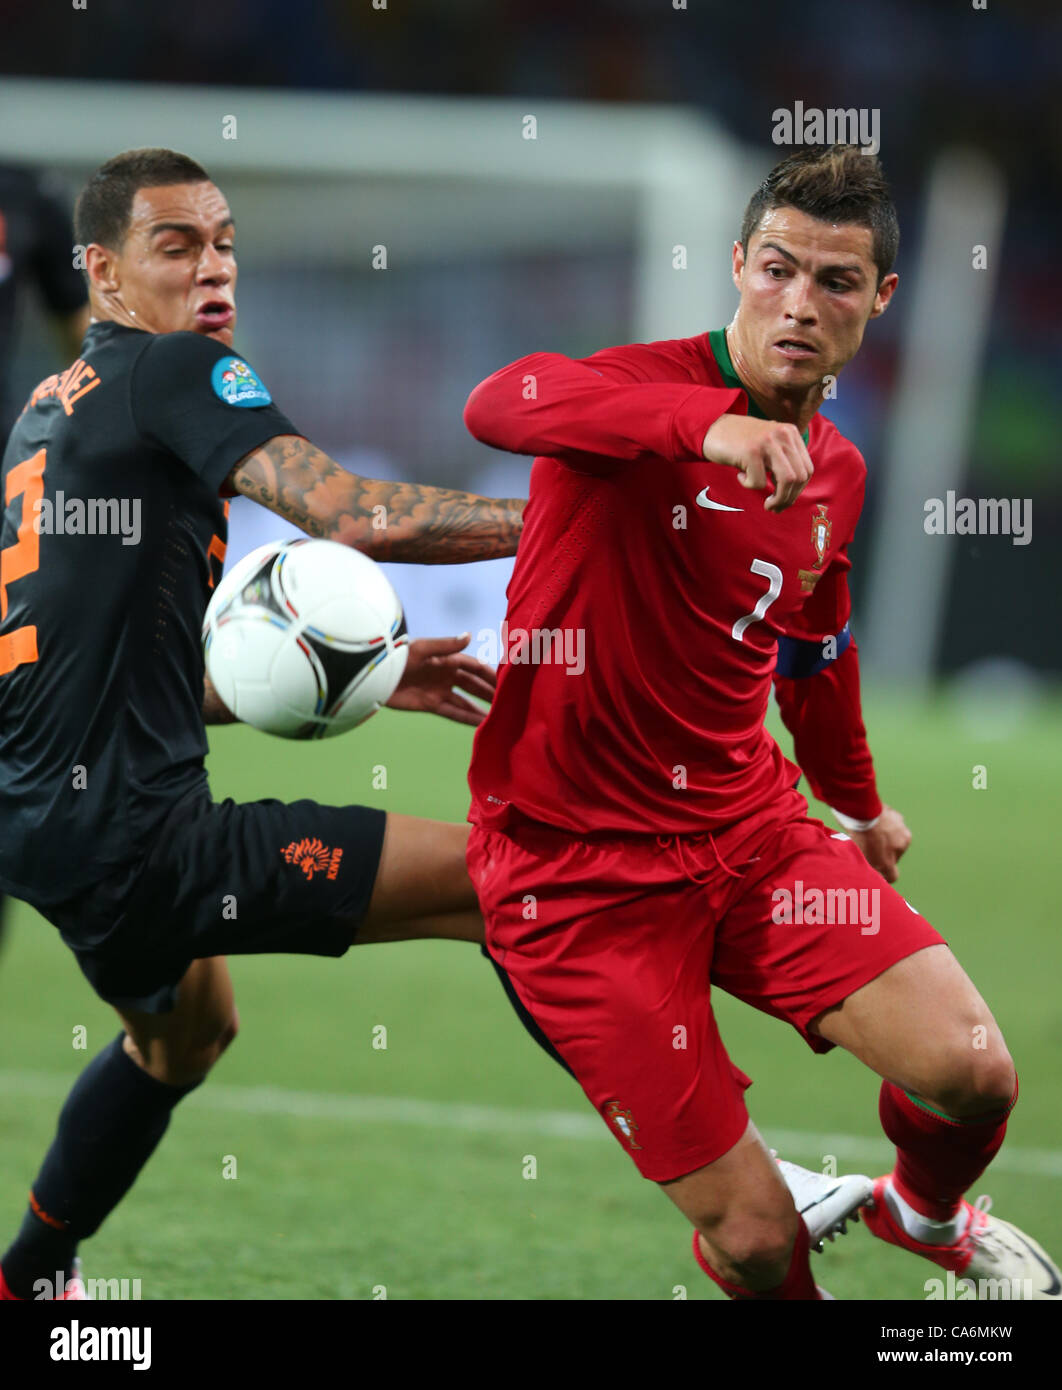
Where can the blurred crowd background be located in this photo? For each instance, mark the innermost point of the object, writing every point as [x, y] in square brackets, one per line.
[377, 371]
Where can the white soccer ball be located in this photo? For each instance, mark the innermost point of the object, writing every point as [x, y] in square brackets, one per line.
[305, 638]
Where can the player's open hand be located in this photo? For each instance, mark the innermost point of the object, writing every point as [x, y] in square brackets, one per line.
[883, 845]
[437, 670]
[763, 451]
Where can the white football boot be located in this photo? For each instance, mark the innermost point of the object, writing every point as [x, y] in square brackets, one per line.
[826, 1204]
[988, 1249]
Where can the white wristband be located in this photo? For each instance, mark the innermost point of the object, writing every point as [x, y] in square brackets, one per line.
[850, 823]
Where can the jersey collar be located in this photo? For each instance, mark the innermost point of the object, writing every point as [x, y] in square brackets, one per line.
[721, 353]
[106, 328]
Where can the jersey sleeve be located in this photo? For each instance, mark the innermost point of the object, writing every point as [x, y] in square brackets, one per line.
[816, 683]
[203, 403]
[621, 405]
[52, 257]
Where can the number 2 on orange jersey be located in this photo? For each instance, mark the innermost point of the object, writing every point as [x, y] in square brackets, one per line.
[215, 550]
[18, 648]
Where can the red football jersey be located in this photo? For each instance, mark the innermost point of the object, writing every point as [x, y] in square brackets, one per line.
[648, 593]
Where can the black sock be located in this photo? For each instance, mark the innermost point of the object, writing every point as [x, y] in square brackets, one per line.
[524, 1017]
[109, 1127]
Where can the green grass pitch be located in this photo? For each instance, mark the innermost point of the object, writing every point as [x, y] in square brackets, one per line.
[359, 1169]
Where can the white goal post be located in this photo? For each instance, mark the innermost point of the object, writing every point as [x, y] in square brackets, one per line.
[440, 181]
[317, 181]
[427, 175]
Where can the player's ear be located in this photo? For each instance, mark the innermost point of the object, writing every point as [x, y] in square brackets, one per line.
[737, 264]
[101, 263]
[885, 292]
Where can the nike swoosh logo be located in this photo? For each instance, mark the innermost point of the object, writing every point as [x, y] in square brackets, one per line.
[826, 1195]
[1053, 1287]
[703, 500]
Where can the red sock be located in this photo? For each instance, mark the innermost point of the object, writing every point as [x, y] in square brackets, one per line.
[938, 1156]
[798, 1283]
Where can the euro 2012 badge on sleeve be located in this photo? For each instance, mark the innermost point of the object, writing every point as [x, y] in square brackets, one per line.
[238, 384]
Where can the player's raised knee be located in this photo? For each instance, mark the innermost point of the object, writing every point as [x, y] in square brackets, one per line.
[228, 1031]
[190, 1058]
[977, 1080]
[213, 1041]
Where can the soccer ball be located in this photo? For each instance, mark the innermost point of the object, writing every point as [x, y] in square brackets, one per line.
[305, 638]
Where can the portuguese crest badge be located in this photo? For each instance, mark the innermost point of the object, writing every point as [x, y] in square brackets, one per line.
[821, 526]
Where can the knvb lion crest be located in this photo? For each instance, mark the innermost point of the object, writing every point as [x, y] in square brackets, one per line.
[821, 527]
[313, 857]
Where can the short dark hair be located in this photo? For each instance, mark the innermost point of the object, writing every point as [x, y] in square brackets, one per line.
[833, 183]
[105, 204]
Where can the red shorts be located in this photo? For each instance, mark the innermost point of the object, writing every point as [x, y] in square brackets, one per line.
[613, 945]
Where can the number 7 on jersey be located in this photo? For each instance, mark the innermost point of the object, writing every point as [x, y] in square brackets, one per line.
[774, 575]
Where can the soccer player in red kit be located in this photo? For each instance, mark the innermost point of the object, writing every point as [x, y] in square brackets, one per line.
[637, 834]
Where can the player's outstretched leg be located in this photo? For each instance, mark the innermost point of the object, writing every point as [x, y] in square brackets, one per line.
[421, 876]
[948, 1090]
[112, 1122]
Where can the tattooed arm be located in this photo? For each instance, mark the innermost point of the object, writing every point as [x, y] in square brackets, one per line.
[388, 521]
